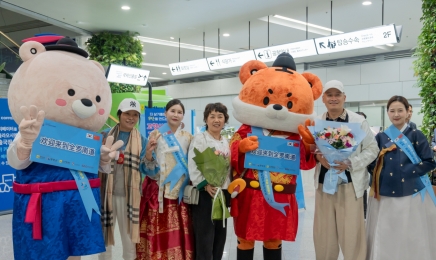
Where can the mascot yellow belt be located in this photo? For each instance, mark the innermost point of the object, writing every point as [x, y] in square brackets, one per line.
[279, 101]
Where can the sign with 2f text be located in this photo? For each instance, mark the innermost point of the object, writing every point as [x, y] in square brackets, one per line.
[355, 40]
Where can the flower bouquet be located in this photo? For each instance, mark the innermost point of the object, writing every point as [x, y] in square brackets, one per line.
[336, 141]
[214, 166]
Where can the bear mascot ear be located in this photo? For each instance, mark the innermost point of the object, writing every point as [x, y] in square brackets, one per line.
[30, 49]
[315, 83]
[249, 68]
[98, 65]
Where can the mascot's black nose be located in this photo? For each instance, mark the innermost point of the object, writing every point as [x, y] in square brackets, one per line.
[86, 102]
[277, 107]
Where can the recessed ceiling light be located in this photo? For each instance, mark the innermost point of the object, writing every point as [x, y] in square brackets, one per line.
[164, 73]
[155, 65]
[144, 53]
[182, 45]
[297, 24]
[226, 34]
[366, 3]
[172, 38]
[125, 7]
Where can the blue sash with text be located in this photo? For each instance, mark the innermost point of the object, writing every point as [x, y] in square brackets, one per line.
[404, 143]
[85, 192]
[274, 154]
[181, 168]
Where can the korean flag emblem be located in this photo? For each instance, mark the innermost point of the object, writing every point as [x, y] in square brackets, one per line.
[89, 136]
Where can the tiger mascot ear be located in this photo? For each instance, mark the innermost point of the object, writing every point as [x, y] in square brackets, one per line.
[315, 83]
[249, 69]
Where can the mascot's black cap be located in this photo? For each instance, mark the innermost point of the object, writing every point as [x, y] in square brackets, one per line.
[67, 44]
[285, 60]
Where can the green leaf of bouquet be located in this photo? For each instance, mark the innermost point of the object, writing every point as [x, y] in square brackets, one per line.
[213, 167]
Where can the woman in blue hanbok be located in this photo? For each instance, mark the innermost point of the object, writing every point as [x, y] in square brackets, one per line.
[401, 210]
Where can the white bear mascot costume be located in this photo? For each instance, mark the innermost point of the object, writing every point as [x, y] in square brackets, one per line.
[58, 83]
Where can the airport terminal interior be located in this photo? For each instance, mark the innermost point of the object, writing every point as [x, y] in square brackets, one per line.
[192, 50]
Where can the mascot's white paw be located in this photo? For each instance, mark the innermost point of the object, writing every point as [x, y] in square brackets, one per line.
[108, 151]
[30, 125]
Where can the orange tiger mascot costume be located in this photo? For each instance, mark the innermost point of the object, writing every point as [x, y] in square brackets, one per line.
[279, 100]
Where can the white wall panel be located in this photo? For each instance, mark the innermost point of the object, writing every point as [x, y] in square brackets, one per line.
[172, 89]
[321, 73]
[411, 90]
[348, 75]
[384, 91]
[406, 70]
[210, 88]
[230, 86]
[192, 103]
[379, 72]
[357, 93]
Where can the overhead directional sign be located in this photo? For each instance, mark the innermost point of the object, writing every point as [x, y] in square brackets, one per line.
[127, 75]
[382, 35]
[296, 49]
[355, 40]
[230, 60]
[188, 67]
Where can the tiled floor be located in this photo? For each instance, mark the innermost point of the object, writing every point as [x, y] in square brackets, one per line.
[301, 249]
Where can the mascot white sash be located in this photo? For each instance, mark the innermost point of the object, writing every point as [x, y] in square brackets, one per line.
[283, 157]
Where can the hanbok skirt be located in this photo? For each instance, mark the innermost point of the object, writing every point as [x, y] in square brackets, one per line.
[402, 228]
[166, 235]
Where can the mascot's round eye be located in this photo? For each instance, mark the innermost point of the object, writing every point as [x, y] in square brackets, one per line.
[71, 92]
[266, 101]
[289, 105]
[98, 99]
[33, 51]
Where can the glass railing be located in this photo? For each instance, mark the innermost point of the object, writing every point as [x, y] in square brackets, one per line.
[9, 50]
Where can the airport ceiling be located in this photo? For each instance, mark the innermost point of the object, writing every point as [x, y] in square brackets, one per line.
[189, 20]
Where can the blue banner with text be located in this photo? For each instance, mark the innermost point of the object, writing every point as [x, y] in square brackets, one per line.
[154, 118]
[8, 131]
[68, 147]
[275, 155]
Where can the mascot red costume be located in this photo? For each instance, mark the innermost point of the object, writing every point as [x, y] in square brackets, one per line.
[58, 83]
[277, 101]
